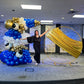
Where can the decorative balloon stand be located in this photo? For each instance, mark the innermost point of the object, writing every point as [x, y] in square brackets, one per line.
[16, 52]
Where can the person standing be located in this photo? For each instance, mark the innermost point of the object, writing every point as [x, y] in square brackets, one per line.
[36, 39]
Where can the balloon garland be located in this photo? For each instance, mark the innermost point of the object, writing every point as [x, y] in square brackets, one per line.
[16, 52]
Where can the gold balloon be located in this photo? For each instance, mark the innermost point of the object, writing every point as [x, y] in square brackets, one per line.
[36, 23]
[20, 47]
[26, 48]
[16, 47]
[8, 24]
[15, 50]
[20, 30]
[21, 26]
[23, 46]
[15, 19]
[12, 49]
[23, 29]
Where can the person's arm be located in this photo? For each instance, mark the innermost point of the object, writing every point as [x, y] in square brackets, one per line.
[23, 39]
[44, 33]
[29, 39]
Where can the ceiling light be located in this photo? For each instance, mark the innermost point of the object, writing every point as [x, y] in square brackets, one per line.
[33, 7]
[46, 21]
[62, 17]
[2, 15]
[71, 9]
[78, 16]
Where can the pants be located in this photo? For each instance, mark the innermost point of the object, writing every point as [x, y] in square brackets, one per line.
[37, 54]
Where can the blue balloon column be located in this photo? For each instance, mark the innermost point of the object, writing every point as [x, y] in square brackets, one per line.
[10, 58]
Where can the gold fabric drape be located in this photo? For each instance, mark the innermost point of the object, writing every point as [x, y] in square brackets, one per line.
[72, 46]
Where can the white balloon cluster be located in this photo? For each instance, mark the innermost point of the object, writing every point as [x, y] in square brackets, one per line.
[16, 42]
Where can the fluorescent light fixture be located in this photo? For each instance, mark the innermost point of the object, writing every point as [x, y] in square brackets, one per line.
[78, 16]
[2, 15]
[62, 18]
[46, 21]
[71, 9]
[33, 7]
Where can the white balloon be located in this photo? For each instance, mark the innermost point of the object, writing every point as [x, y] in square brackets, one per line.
[5, 42]
[9, 46]
[17, 26]
[21, 21]
[24, 35]
[18, 55]
[8, 39]
[17, 40]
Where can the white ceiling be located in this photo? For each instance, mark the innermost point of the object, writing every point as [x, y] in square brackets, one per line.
[51, 10]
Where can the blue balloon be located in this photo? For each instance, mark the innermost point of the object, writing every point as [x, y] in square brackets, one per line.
[6, 60]
[30, 22]
[16, 62]
[10, 59]
[8, 63]
[13, 33]
[12, 63]
[25, 61]
[15, 58]
[30, 61]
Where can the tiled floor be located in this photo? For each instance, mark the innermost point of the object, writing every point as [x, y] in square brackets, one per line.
[46, 70]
